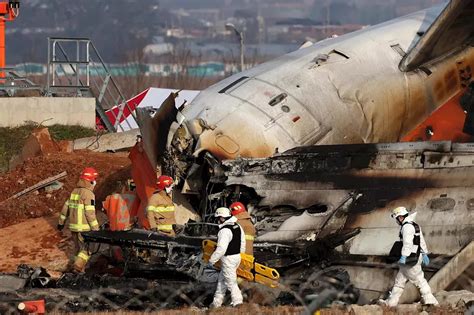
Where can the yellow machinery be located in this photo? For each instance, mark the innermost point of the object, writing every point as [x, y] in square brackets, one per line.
[248, 269]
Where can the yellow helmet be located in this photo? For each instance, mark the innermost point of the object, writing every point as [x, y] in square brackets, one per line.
[399, 211]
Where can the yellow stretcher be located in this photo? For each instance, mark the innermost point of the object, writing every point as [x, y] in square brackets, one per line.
[248, 269]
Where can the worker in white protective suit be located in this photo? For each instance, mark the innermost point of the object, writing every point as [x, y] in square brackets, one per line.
[414, 253]
[230, 243]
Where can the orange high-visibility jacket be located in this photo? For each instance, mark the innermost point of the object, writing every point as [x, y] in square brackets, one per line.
[119, 208]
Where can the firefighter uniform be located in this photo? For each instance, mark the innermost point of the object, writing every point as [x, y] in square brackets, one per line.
[160, 212]
[244, 220]
[80, 209]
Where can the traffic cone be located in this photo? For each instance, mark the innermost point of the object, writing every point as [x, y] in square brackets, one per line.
[32, 307]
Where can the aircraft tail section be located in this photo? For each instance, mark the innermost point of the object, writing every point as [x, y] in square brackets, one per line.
[453, 30]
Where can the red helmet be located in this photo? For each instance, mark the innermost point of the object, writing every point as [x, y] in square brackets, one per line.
[89, 174]
[237, 207]
[163, 182]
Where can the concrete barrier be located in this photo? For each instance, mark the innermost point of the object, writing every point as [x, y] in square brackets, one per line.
[110, 141]
[15, 111]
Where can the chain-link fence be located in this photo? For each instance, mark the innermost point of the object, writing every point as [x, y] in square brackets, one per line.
[304, 290]
[95, 293]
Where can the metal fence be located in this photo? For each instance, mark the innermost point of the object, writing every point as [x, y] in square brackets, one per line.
[306, 291]
[95, 293]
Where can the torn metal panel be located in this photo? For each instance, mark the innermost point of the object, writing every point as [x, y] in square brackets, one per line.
[298, 190]
[448, 274]
[453, 269]
[451, 160]
[452, 30]
[39, 185]
[155, 130]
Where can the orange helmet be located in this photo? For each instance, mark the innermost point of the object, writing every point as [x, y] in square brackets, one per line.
[163, 182]
[89, 174]
[237, 207]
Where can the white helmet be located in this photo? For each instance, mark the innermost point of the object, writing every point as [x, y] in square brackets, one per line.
[222, 212]
[399, 211]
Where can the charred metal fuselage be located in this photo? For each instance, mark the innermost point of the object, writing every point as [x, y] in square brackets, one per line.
[310, 192]
[374, 85]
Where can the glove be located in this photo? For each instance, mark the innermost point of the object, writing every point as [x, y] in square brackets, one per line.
[60, 227]
[402, 260]
[178, 228]
[209, 266]
[426, 259]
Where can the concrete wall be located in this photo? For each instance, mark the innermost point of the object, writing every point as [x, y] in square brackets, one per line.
[15, 111]
[109, 141]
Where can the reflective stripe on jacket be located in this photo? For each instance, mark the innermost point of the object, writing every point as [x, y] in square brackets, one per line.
[80, 209]
[160, 211]
[244, 220]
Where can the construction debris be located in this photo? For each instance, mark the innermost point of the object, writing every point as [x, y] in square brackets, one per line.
[44, 183]
[455, 298]
[38, 143]
[11, 283]
[53, 186]
[108, 142]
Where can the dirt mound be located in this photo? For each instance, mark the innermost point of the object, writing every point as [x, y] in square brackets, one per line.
[112, 167]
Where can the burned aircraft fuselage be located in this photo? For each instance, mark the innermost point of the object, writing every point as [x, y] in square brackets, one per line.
[311, 192]
[342, 90]
[369, 86]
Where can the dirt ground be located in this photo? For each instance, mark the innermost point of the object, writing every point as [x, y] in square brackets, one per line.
[37, 243]
[28, 231]
[112, 167]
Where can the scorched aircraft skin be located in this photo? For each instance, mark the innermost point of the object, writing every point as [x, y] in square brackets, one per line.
[371, 86]
[349, 89]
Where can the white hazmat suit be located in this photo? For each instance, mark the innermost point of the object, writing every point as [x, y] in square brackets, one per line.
[229, 264]
[414, 274]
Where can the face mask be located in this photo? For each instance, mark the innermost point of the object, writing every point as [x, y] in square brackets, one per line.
[169, 189]
[398, 221]
[93, 183]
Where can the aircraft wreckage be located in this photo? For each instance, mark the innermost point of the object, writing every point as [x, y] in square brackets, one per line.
[291, 138]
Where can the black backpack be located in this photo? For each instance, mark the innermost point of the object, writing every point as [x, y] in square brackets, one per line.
[396, 251]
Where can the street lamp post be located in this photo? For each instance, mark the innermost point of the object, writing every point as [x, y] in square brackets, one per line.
[231, 27]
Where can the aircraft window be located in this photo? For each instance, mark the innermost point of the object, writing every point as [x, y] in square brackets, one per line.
[277, 99]
[441, 204]
[470, 204]
[233, 84]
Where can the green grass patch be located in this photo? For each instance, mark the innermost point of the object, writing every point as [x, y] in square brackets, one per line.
[13, 139]
[62, 132]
